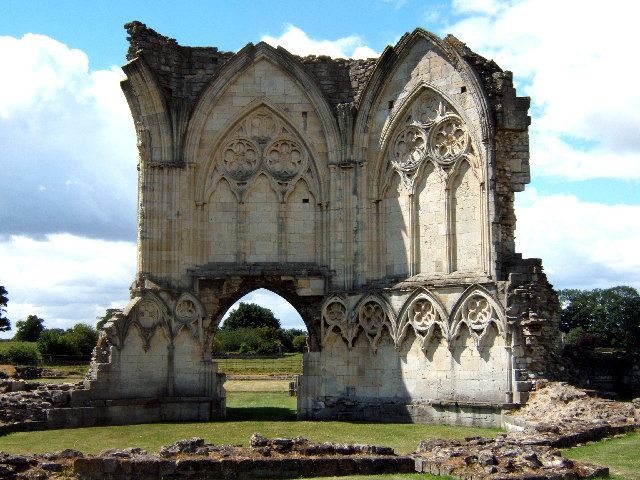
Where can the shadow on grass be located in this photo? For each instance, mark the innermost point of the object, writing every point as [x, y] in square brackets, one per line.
[237, 414]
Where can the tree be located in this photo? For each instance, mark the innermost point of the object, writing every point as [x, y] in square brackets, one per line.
[84, 337]
[5, 324]
[250, 315]
[108, 315]
[612, 314]
[29, 330]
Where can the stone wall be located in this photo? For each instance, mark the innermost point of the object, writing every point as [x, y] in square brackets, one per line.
[376, 196]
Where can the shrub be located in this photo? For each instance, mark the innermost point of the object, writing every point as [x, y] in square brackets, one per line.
[55, 342]
[19, 353]
[216, 346]
[267, 347]
[230, 340]
[244, 348]
[589, 341]
[574, 335]
[299, 343]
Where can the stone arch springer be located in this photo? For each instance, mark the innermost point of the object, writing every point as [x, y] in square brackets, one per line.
[144, 94]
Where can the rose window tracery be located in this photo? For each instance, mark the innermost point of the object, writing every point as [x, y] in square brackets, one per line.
[409, 148]
[240, 158]
[449, 139]
[284, 158]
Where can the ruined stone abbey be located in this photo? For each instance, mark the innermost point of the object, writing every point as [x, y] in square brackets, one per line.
[376, 196]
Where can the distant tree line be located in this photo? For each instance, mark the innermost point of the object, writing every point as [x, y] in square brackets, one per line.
[254, 329]
[73, 343]
[601, 317]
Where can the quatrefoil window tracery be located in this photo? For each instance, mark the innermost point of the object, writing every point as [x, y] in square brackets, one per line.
[423, 315]
[372, 317]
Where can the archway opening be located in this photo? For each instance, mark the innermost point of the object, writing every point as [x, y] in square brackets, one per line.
[259, 345]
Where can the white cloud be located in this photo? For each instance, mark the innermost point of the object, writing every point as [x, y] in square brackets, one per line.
[570, 57]
[582, 244]
[297, 42]
[65, 279]
[67, 141]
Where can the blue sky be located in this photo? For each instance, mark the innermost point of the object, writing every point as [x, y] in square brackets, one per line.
[67, 143]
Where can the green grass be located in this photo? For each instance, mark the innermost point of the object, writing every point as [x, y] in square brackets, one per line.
[290, 364]
[270, 413]
[621, 455]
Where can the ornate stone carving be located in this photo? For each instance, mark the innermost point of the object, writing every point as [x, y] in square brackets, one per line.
[409, 148]
[186, 311]
[428, 108]
[285, 158]
[335, 317]
[240, 158]
[423, 314]
[449, 139]
[262, 125]
[372, 318]
[478, 312]
[148, 314]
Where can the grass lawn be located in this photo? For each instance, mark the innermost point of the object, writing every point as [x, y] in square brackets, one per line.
[621, 455]
[272, 413]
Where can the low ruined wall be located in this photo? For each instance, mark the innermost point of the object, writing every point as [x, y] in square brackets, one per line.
[617, 372]
[134, 469]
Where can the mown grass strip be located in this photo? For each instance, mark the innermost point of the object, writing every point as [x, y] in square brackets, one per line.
[621, 455]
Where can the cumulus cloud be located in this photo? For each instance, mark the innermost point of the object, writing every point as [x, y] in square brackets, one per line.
[297, 42]
[570, 57]
[68, 144]
[65, 279]
[582, 244]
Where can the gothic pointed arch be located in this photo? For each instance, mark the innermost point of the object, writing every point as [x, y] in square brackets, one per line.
[370, 316]
[147, 313]
[335, 319]
[246, 58]
[477, 310]
[261, 139]
[394, 58]
[424, 313]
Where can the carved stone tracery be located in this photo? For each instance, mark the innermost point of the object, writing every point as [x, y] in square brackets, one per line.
[261, 142]
[432, 130]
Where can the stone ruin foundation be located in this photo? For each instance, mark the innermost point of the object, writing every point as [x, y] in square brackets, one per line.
[376, 196]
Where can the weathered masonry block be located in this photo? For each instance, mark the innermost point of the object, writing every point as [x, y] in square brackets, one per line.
[376, 196]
